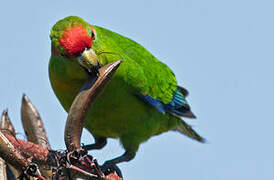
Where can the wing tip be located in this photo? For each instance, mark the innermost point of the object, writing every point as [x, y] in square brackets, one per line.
[183, 90]
[189, 114]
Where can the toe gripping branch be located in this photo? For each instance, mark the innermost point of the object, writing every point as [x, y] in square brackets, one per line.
[34, 158]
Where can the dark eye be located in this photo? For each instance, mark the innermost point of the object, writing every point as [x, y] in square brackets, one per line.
[92, 35]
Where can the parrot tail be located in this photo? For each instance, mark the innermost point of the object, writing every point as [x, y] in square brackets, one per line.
[187, 130]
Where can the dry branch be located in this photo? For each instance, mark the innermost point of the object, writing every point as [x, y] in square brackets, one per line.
[29, 156]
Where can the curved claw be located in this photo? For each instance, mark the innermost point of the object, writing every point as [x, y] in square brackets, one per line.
[110, 167]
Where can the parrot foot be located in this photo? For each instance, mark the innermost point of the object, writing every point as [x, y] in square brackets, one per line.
[110, 167]
[100, 142]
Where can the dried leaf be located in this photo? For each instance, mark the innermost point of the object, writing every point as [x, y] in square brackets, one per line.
[5, 123]
[83, 101]
[33, 124]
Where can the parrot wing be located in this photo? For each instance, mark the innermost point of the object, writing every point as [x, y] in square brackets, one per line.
[140, 69]
[151, 79]
[178, 106]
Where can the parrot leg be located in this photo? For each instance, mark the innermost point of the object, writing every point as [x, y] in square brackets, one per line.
[110, 165]
[100, 142]
[127, 156]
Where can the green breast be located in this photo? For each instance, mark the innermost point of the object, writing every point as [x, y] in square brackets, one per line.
[66, 78]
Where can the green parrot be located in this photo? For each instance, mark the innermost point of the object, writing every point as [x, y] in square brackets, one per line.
[143, 98]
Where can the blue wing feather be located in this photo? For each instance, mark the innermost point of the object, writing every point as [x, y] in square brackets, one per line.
[178, 106]
[154, 102]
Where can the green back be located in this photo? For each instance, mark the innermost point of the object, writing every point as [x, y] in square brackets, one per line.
[140, 69]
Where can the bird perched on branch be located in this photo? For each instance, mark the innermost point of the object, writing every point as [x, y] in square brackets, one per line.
[143, 98]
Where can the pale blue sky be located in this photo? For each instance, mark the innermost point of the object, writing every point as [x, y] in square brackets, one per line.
[221, 51]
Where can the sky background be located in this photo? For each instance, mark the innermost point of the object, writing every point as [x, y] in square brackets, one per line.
[221, 51]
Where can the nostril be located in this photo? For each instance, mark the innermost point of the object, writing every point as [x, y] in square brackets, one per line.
[78, 54]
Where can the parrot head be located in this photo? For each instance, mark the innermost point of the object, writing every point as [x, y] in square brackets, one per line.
[72, 38]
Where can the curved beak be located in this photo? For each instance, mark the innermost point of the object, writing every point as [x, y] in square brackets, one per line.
[89, 60]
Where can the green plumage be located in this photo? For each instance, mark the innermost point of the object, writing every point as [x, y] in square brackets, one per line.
[119, 112]
[141, 69]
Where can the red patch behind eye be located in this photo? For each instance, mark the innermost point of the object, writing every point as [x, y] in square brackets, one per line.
[75, 40]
